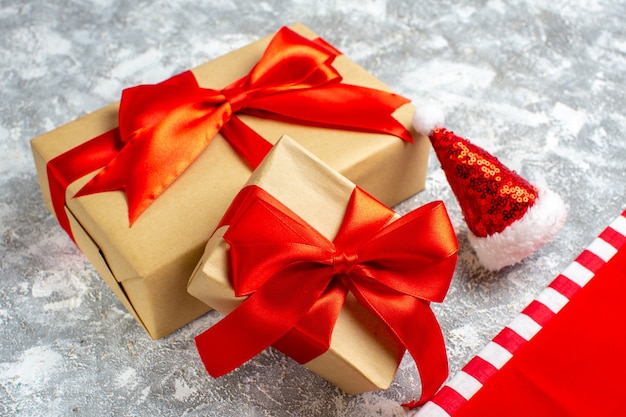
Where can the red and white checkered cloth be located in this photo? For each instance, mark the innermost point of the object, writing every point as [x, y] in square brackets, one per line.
[460, 395]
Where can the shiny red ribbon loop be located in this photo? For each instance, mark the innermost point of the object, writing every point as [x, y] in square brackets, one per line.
[164, 127]
[296, 281]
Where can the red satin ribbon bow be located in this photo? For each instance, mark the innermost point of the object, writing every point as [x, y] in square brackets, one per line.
[164, 127]
[296, 281]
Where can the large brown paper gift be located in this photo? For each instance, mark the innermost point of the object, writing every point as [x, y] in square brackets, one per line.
[364, 353]
[148, 265]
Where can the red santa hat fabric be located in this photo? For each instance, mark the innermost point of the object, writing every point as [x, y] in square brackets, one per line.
[508, 218]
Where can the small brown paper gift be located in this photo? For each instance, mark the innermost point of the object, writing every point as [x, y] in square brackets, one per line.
[363, 355]
[307, 262]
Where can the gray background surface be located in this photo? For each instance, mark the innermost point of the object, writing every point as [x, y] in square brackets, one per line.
[538, 83]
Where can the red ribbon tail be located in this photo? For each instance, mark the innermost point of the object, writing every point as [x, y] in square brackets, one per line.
[255, 324]
[312, 335]
[228, 344]
[429, 355]
[74, 164]
[418, 332]
[58, 185]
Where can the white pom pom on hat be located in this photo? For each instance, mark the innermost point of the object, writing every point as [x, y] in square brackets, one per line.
[508, 218]
[427, 117]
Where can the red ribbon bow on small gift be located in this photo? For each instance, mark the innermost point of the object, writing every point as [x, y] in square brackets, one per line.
[164, 127]
[297, 280]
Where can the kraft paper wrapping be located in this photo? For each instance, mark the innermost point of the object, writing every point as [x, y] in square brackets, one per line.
[363, 355]
[148, 265]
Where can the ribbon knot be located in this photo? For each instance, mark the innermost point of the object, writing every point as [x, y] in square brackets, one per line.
[297, 280]
[343, 262]
[237, 97]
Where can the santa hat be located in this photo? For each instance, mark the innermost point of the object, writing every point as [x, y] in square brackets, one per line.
[508, 218]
